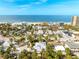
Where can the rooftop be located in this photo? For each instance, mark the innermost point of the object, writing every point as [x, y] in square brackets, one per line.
[73, 45]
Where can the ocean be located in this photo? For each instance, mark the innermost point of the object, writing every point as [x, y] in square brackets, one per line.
[35, 18]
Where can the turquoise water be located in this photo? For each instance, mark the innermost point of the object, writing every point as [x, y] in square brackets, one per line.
[35, 18]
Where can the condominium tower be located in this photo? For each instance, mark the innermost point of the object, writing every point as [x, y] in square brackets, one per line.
[75, 21]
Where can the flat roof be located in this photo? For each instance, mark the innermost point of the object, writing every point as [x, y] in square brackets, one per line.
[73, 45]
[59, 47]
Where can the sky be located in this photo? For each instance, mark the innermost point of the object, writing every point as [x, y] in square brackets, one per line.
[39, 7]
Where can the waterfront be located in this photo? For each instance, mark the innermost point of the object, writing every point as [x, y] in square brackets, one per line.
[35, 18]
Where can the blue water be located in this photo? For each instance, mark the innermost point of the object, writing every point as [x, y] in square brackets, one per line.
[35, 18]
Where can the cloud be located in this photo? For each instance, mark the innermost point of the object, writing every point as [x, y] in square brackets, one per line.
[39, 7]
[43, 1]
[9, 1]
[22, 2]
[37, 3]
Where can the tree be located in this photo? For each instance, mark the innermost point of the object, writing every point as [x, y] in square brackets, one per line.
[76, 57]
[38, 57]
[47, 37]
[50, 51]
[29, 27]
[67, 27]
[59, 53]
[44, 54]
[34, 55]
[25, 57]
[67, 51]
[49, 57]
[8, 50]
[56, 57]
[68, 57]
[6, 56]
[40, 38]
[29, 55]
[31, 39]
[1, 50]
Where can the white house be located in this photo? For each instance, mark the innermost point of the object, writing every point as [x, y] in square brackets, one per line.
[5, 45]
[59, 47]
[39, 46]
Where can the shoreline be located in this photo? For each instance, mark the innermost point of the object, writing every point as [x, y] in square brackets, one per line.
[35, 22]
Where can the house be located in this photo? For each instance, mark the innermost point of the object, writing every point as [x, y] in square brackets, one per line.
[2, 38]
[40, 32]
[74, 47]
[59, 47]
[50, 32]
[40, 46]
[5, 45]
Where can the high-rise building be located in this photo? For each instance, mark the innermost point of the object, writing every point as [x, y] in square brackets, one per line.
[75, 21]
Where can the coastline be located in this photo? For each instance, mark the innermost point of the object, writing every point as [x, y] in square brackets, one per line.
[35, 22]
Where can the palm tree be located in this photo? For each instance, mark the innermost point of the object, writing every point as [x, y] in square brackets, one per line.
[44, 54]
[46, 38]
[34, 55]
[49, 57]
[67, 51]
[40, 38]
[76, 57]
[50, 51]
[6, 56]
[68, 57]
[59, 53]
[56, 57]
[31, 39]
[23, 55]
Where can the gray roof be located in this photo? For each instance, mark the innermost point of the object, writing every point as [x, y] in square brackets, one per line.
[73, 45]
